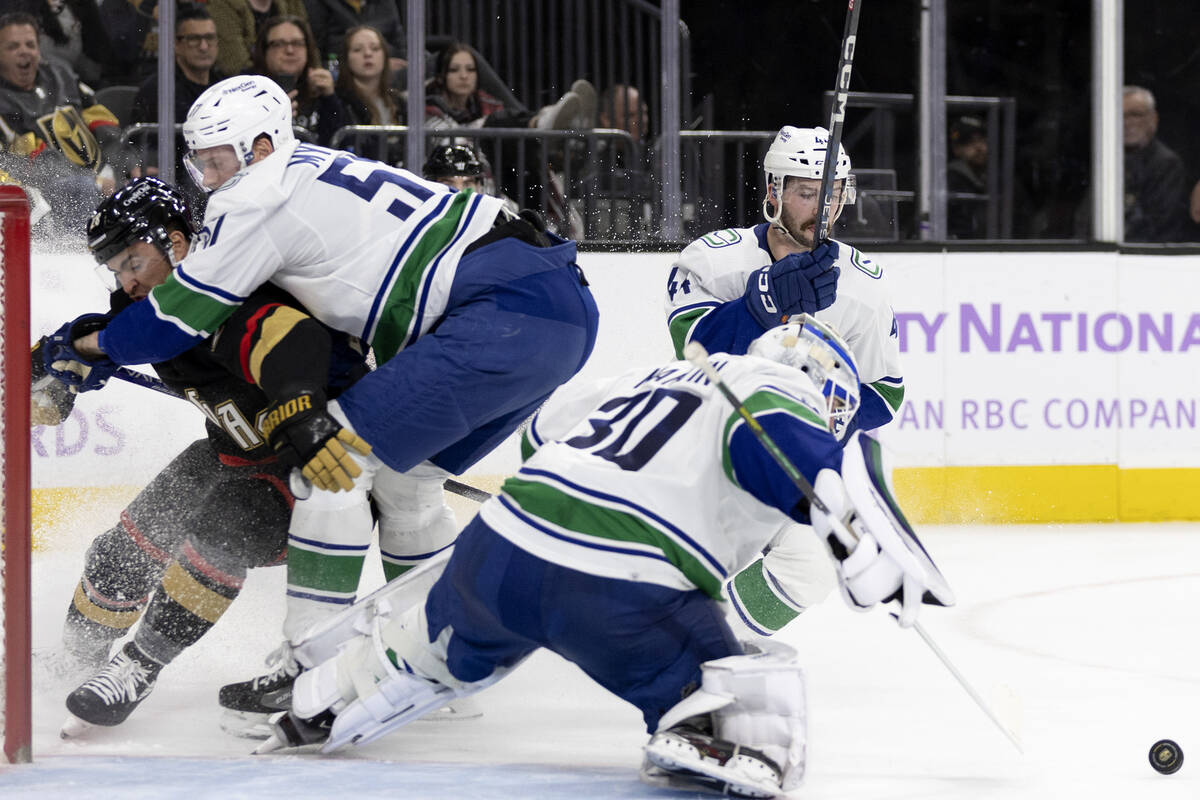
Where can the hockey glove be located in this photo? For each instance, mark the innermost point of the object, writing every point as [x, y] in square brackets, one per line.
[879, 559]
[61, 360]
[799, 282]
[305, 436]
[51, 402]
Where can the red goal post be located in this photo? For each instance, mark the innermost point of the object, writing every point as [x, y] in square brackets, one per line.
[15, 703]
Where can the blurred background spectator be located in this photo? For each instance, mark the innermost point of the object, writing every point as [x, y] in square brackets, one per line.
[238, 24]
[64, 143]
[364, 87]
[71, 32]
[1156, 184]
[966, 218]
[287, 53]
[332, 19]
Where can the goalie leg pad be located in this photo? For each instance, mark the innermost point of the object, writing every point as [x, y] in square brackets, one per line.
[755, 701]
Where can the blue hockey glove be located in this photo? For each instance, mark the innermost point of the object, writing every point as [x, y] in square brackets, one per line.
[65, 364]
[799, 282]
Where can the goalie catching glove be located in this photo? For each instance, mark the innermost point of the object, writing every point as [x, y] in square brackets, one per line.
[304, 435]
[61, 360]
[880, 558]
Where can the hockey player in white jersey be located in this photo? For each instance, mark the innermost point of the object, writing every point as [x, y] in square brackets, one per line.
[473, 315]
[728, 286]
[610, 547]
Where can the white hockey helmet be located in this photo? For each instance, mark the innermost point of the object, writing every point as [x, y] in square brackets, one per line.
[800, 153]
[815, 348]
[236, 111]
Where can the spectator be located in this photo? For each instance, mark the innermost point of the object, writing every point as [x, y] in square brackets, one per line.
[1156, 193]
[616, 177]
[332, 20]
[621, 107]
[454, 99]
[197, 49]
[72, 32]
[365, 89]
[967, 173]
[287, 53]
[69, 146]
[238, 24]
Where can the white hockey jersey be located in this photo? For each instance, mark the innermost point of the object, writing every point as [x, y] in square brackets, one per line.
[713, 270]
[369, 249]
[653, 477]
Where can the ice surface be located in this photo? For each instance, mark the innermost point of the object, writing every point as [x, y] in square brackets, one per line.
[1082, 636]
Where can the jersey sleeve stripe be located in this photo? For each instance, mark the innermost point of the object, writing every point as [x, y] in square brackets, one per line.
[198, 314]
[602, 517]
[204, 288]
[891, 390]
[273, 323]
[764, 401]
[680, 326]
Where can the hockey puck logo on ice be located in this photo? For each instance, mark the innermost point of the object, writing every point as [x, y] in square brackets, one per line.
[1166, 756]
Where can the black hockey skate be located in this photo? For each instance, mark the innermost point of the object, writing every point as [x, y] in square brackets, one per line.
[688, 756]
[111, 696]
[249, 705]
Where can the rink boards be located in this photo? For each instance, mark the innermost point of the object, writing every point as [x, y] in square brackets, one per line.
[1041, 386]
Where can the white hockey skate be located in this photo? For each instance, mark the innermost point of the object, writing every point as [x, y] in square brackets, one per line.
[684, 757]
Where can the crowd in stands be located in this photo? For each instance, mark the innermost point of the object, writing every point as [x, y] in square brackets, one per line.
[341, 61]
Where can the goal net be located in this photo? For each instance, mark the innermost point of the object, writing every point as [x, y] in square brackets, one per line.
[15, 695]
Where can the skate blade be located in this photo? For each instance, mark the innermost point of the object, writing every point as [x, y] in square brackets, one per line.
[246, 724]
[663, 767]
[461, 710]
[74, 728]
[273, 743]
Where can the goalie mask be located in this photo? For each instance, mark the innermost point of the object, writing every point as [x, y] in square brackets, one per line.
[813, 347]
[235, 112]
[143, 210]
[800, 153]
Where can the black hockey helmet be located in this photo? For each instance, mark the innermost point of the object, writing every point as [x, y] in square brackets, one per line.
[140, 211]
[452, 161]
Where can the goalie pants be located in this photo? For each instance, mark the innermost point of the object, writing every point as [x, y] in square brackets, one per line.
[643, 642]
[520, 321]
[180, 552]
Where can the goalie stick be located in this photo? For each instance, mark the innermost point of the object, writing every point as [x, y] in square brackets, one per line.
[837, 120]
[150, 382]
[698, 356]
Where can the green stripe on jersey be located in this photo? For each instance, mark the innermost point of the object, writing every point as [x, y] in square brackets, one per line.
[759, 600]
[681, 325]
[763, 401]
[892, 395]
[561, 509]
[322, 571]
[399, 309]
[198, 311]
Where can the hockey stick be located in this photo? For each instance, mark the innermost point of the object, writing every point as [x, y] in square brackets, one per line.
[837, 120]
[150, 382]
[698, 356]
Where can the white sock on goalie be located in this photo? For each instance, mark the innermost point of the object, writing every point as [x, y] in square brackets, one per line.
[759, 720]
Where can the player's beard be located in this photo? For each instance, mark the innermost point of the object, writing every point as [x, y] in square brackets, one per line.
[801, 231]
